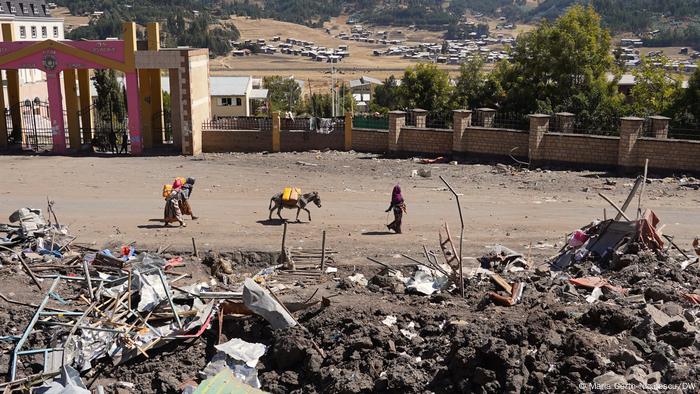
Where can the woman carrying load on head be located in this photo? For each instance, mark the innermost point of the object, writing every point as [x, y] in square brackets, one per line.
[399, 207]
[185, 206]
[172, 212]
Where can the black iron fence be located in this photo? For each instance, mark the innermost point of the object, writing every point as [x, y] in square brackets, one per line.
[684, 130]
[380, 122]
[238, 123]
[511, 120]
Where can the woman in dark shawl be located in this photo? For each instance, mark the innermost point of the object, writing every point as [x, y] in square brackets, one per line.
[399, 207]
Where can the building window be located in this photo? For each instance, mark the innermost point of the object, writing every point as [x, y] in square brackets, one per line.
[225, 102]
[55, 31]
[33, 9]
[22, 32]
[21, 7]
[33, 31]
[43, 9]
[238, 101]
[1, 8]
[44, 32]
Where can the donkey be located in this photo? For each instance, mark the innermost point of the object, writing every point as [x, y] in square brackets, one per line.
[301, 203]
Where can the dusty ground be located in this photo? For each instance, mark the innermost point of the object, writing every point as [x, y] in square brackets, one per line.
[119, 199]
[553, 341]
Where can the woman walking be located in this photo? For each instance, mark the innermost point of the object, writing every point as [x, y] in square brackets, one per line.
[172, 212]
[399, 207]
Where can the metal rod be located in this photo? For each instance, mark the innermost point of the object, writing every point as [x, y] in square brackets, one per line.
[88, 280]
[378, 262]
[194, 248]
[614, 206]
[676, 246]
[630, 197]
[27, 331]
[170, 298]
[639, 202]
[461, 235]
[284, 236]
[323, 251]
[25, 266]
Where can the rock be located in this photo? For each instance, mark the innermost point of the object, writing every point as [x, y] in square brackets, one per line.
[660, 293]
[610, 318]
[661, 319]
[609, 379]
[636, 375]
[654, 378]
[627, 358]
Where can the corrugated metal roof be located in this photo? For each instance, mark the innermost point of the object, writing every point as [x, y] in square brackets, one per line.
[229, 86]
[258, 94]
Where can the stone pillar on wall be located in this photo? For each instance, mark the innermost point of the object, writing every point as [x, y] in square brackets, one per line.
[397, 120]
[539, 125]
[276, 126]
[348, 131]
[630, 130]
[461, 120]
[565, 122]
[487, 116]
[421, 117]
[659, 126]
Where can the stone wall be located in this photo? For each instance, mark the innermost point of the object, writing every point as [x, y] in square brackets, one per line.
[595, 150]
[368, 140]
[236, 141]
[483, 142]
[297, 140]
[422, 140]
[538, 146]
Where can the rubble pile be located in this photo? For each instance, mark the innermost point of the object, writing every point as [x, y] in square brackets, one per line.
[618, 307]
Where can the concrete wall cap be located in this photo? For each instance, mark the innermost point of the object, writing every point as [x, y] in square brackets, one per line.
[659, 117]
[632, 119]
[539, 116]
[486, 110]
[419, 110]
[462, 111]
[564, 114]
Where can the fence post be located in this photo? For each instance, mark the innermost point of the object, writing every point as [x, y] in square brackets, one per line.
[348, 131]
[630, 130]
[659, 126]
[3, 120]
[565, 122]
[421, 116]
[539, 124]
[461, 120]
[487, 117]
[275, 131]
[397, 120]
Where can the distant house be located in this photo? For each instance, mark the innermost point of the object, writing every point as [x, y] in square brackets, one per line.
[363, 88]
[234, 96]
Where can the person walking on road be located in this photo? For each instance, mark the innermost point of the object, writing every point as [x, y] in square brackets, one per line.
[399, 207]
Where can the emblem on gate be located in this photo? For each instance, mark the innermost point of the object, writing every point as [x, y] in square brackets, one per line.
[50, 62]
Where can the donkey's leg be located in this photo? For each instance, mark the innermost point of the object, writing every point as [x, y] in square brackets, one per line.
[279, 209]
[309, 213]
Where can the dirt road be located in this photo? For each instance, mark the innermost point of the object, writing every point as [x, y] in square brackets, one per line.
[119, 200]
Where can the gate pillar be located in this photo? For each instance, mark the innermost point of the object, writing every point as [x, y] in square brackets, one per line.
[132, 93]
[58, 131]
[72, 108]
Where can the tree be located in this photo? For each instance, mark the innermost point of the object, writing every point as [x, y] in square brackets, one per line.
[284, 93]
[655, 90]
[110, 97]
[562, 66]
[686, 109]
[474, 88]
[427, 87]
[386, 97]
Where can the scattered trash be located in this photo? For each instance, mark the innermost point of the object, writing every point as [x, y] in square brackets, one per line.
[389, 321]
[359, 279]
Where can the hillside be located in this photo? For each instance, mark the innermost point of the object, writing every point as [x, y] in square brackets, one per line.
[677, 21]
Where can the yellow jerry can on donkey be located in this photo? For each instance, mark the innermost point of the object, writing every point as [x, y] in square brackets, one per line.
[290, 195]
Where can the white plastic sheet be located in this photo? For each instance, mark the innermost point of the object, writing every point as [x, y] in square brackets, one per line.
[247, 352]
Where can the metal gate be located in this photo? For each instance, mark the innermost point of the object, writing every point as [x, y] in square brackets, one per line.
[110, 129]
[34, 132]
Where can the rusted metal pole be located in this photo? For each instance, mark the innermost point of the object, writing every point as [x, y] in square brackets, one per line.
[461, 235]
